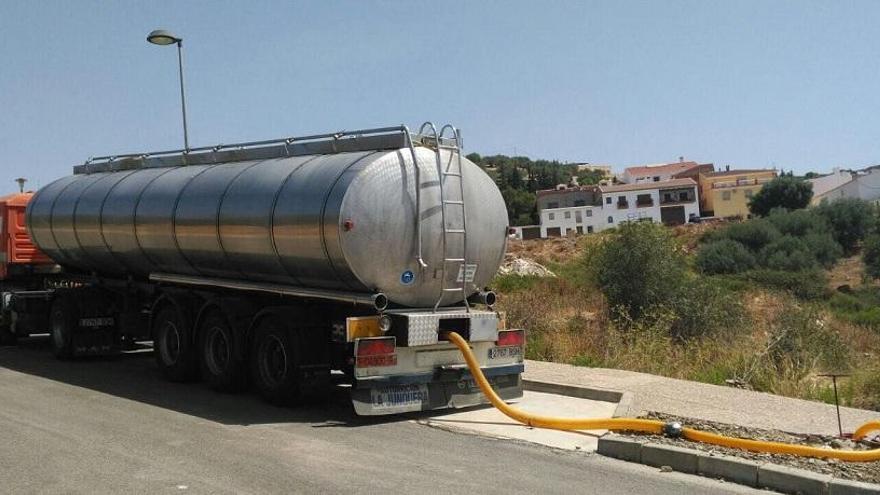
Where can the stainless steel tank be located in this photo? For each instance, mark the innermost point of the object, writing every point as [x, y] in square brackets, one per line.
[341, 221]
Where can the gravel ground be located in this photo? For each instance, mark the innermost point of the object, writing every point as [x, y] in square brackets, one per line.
[860, 471]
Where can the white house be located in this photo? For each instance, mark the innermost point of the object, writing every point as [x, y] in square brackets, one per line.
[822, 185]
[672, 202]
[865, 184]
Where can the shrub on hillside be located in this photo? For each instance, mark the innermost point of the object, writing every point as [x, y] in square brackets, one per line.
[824, 248]
[871, 255]
[640, 266]
[753, 234]
[785, 191]
[797, 223]
[800, 337]
[850, 220]
[724, 257]
[787, 253]
[703, 307]
[807, 284]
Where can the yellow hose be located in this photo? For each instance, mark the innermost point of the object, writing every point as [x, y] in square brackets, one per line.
[655, 426]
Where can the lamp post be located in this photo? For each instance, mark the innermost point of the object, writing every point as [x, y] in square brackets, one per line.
[162, 37]
[21, 181]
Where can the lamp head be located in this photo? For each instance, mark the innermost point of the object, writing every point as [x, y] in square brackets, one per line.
[162, 37]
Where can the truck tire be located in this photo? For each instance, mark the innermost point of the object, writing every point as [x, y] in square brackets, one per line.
[62, 324]
[220, 366]
[173, 345]
[275, 362]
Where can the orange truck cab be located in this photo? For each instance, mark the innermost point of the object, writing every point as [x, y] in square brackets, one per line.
[18, 255]
[24, 271]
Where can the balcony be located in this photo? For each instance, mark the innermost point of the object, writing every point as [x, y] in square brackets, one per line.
[677, 197]
[741, 183]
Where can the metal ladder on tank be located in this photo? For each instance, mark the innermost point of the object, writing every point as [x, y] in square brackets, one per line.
[453, 169]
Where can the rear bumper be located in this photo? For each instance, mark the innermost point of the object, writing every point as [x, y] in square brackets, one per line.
[447, 387]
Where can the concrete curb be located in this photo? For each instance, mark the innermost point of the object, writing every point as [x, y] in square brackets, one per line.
[742, 471]
[624, 399]
[576, 391]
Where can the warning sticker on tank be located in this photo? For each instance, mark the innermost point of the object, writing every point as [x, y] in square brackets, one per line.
[466, 275]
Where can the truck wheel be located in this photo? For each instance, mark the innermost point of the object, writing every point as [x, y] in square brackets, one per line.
[275, 361]
[62, 323]
[175, 353]
[220, 367]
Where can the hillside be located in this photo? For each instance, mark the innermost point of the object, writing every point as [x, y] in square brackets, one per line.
[778, 342]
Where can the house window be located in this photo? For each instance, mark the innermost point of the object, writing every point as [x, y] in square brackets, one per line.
[644, 200]
[578, 217]
[552, 205]
[589, 229]
[725, 195]
[621, 202]
[551, 217]
[656, 178]
[610, 219]
[608, 200]
[749, 193]
[683, 196]
[567, 215]
[667, 197]
[589, 213]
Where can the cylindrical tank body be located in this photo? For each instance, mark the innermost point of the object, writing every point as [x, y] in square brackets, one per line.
[343, 221]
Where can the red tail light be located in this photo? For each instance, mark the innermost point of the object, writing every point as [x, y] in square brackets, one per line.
[511, 338]
[370, 353]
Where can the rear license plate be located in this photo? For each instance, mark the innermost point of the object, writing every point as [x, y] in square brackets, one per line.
[399, 396]
[505, 352]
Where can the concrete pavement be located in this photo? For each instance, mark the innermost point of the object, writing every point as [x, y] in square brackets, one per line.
[704, 401]
[491, 422]
[113, 426]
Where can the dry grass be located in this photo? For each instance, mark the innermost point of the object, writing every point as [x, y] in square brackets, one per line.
[568, 321]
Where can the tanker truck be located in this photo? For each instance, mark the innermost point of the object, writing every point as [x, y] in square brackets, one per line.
[273, 264]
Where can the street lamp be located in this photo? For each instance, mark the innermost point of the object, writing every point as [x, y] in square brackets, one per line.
[21, 181]
[162, 37]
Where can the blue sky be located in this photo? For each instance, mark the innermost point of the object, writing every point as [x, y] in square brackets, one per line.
[791, 84]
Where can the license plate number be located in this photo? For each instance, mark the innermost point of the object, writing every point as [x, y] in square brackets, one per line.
[101, 321]
[505, 352]
[401, 396]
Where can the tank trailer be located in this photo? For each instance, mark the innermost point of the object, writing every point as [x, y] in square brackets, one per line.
[273, 263]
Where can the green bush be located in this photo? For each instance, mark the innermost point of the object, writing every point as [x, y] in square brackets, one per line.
[861, 307]
[753, 234]
[704, 307]
[850, 220]
[638, 267]
[787, 253]
[871, 255]
[797, 223]
[824, 248]
[785, 191]
[724, 257]
[807, 284]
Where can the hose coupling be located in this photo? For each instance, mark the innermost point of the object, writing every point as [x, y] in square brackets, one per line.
[672, 429]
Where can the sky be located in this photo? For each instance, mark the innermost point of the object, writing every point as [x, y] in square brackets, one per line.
[787, 84]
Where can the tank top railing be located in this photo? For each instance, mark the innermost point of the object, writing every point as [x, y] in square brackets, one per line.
[343, 141]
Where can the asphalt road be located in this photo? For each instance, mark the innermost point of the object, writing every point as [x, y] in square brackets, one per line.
[114, 426]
